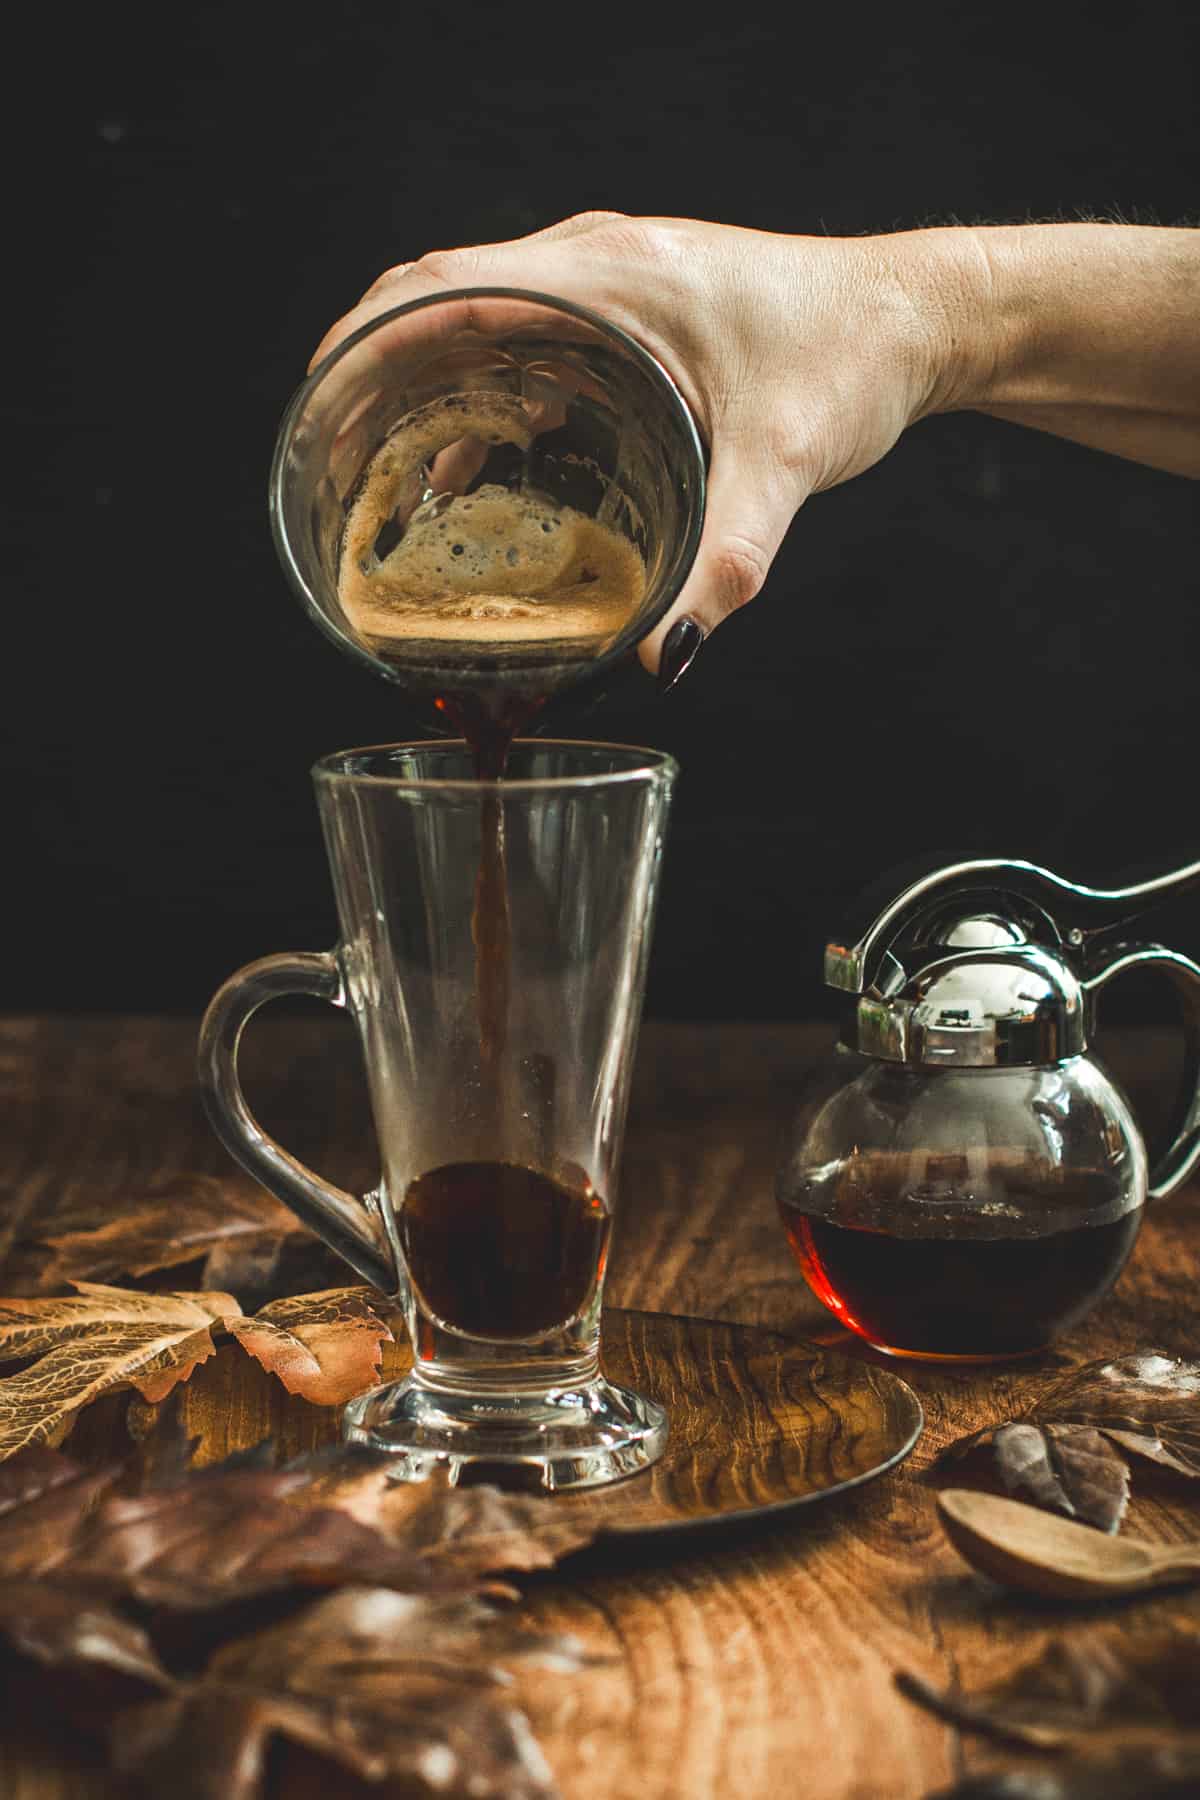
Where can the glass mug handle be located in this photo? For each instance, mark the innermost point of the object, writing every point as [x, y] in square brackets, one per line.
[1179, 1159]
[343, 1222]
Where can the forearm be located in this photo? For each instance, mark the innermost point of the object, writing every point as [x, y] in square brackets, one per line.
[1091, 332]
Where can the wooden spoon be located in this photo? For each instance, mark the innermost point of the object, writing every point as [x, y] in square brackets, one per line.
[1024, 1547]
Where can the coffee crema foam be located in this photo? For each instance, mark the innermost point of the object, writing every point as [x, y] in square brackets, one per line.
[497, 567]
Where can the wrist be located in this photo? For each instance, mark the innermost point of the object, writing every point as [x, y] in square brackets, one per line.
[1032, 319]
[948, 276]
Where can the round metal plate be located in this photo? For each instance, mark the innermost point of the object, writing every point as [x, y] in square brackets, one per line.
[760, 1422]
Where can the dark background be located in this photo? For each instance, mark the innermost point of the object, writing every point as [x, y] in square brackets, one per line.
[989, 643]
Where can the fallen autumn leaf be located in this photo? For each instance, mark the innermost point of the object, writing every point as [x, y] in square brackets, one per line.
[1119, 1717]
[1074, 1689]
[325, 1347]
[1061, 1453]
[1148, 1403]
[1068, 1469]
[159, 1228]
[1132, 1771]
[402, 1673]
[392, 1686]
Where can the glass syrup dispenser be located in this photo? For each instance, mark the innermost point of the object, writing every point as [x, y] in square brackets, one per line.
[964, 1180]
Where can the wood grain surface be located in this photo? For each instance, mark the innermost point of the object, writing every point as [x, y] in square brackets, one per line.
[758, 1661]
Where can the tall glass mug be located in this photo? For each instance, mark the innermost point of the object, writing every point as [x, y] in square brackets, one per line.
[494, 939]
[487, 494]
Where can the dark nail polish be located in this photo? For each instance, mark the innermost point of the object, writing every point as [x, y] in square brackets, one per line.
[678, 652]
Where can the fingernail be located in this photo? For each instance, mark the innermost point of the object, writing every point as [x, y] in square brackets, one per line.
[678, 652]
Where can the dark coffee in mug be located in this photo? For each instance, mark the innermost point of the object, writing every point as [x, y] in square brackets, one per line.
[498, 1251]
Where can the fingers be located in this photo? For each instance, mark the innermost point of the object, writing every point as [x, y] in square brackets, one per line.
[747, 516]
[405, 282]
[454, 469]
[529, 262]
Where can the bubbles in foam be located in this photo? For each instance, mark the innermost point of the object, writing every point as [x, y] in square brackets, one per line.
[497, 545]
[499, 565]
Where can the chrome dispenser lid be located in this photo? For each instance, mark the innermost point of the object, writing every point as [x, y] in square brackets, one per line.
[995, 1004]
[989, 964]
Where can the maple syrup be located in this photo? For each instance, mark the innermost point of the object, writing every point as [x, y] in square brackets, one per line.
[962, 1293]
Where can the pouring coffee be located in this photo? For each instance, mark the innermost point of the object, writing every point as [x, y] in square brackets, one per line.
[485, 497]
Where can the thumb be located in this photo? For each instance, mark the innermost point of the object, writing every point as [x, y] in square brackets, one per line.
[746, 518]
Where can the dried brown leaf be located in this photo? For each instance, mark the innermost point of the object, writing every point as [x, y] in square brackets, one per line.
[1056, 1454]
[398, 1675]
[1068, 1469]
[32, 1327]
[326, 1347]
[44, 1499]
[1077, 1691]
[34, 1472]
[194, 1539]
[1135, 1770]
[98, 1339]
[1148, 1403]
[470, 1531]
[229, 1536]
[66, 1627]
[393, 1686]
[159, 1228]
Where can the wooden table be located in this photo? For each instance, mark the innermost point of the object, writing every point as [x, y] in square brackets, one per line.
[759, 1664]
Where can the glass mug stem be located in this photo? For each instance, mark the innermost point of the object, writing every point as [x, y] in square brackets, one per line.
[499, 1147]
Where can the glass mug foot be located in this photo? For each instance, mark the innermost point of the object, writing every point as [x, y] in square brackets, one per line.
[571, 1437]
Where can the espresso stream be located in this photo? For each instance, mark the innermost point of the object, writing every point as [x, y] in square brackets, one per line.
[480, 576]
[487, 574]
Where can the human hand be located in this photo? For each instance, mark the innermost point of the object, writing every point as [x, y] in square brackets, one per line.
[803, 360]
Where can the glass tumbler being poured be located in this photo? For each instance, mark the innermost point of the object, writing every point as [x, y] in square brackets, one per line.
[487, 496]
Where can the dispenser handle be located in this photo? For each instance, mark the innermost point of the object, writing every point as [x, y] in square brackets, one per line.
[1183, 1150]
[1070, 911]
[343, 1222]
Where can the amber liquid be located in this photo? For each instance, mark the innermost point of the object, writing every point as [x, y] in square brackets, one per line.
[968, 1296]
[499, 1251]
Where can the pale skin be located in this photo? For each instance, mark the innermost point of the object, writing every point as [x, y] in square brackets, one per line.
[805, 359]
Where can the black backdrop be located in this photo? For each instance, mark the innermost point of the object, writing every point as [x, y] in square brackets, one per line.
[990, 642]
